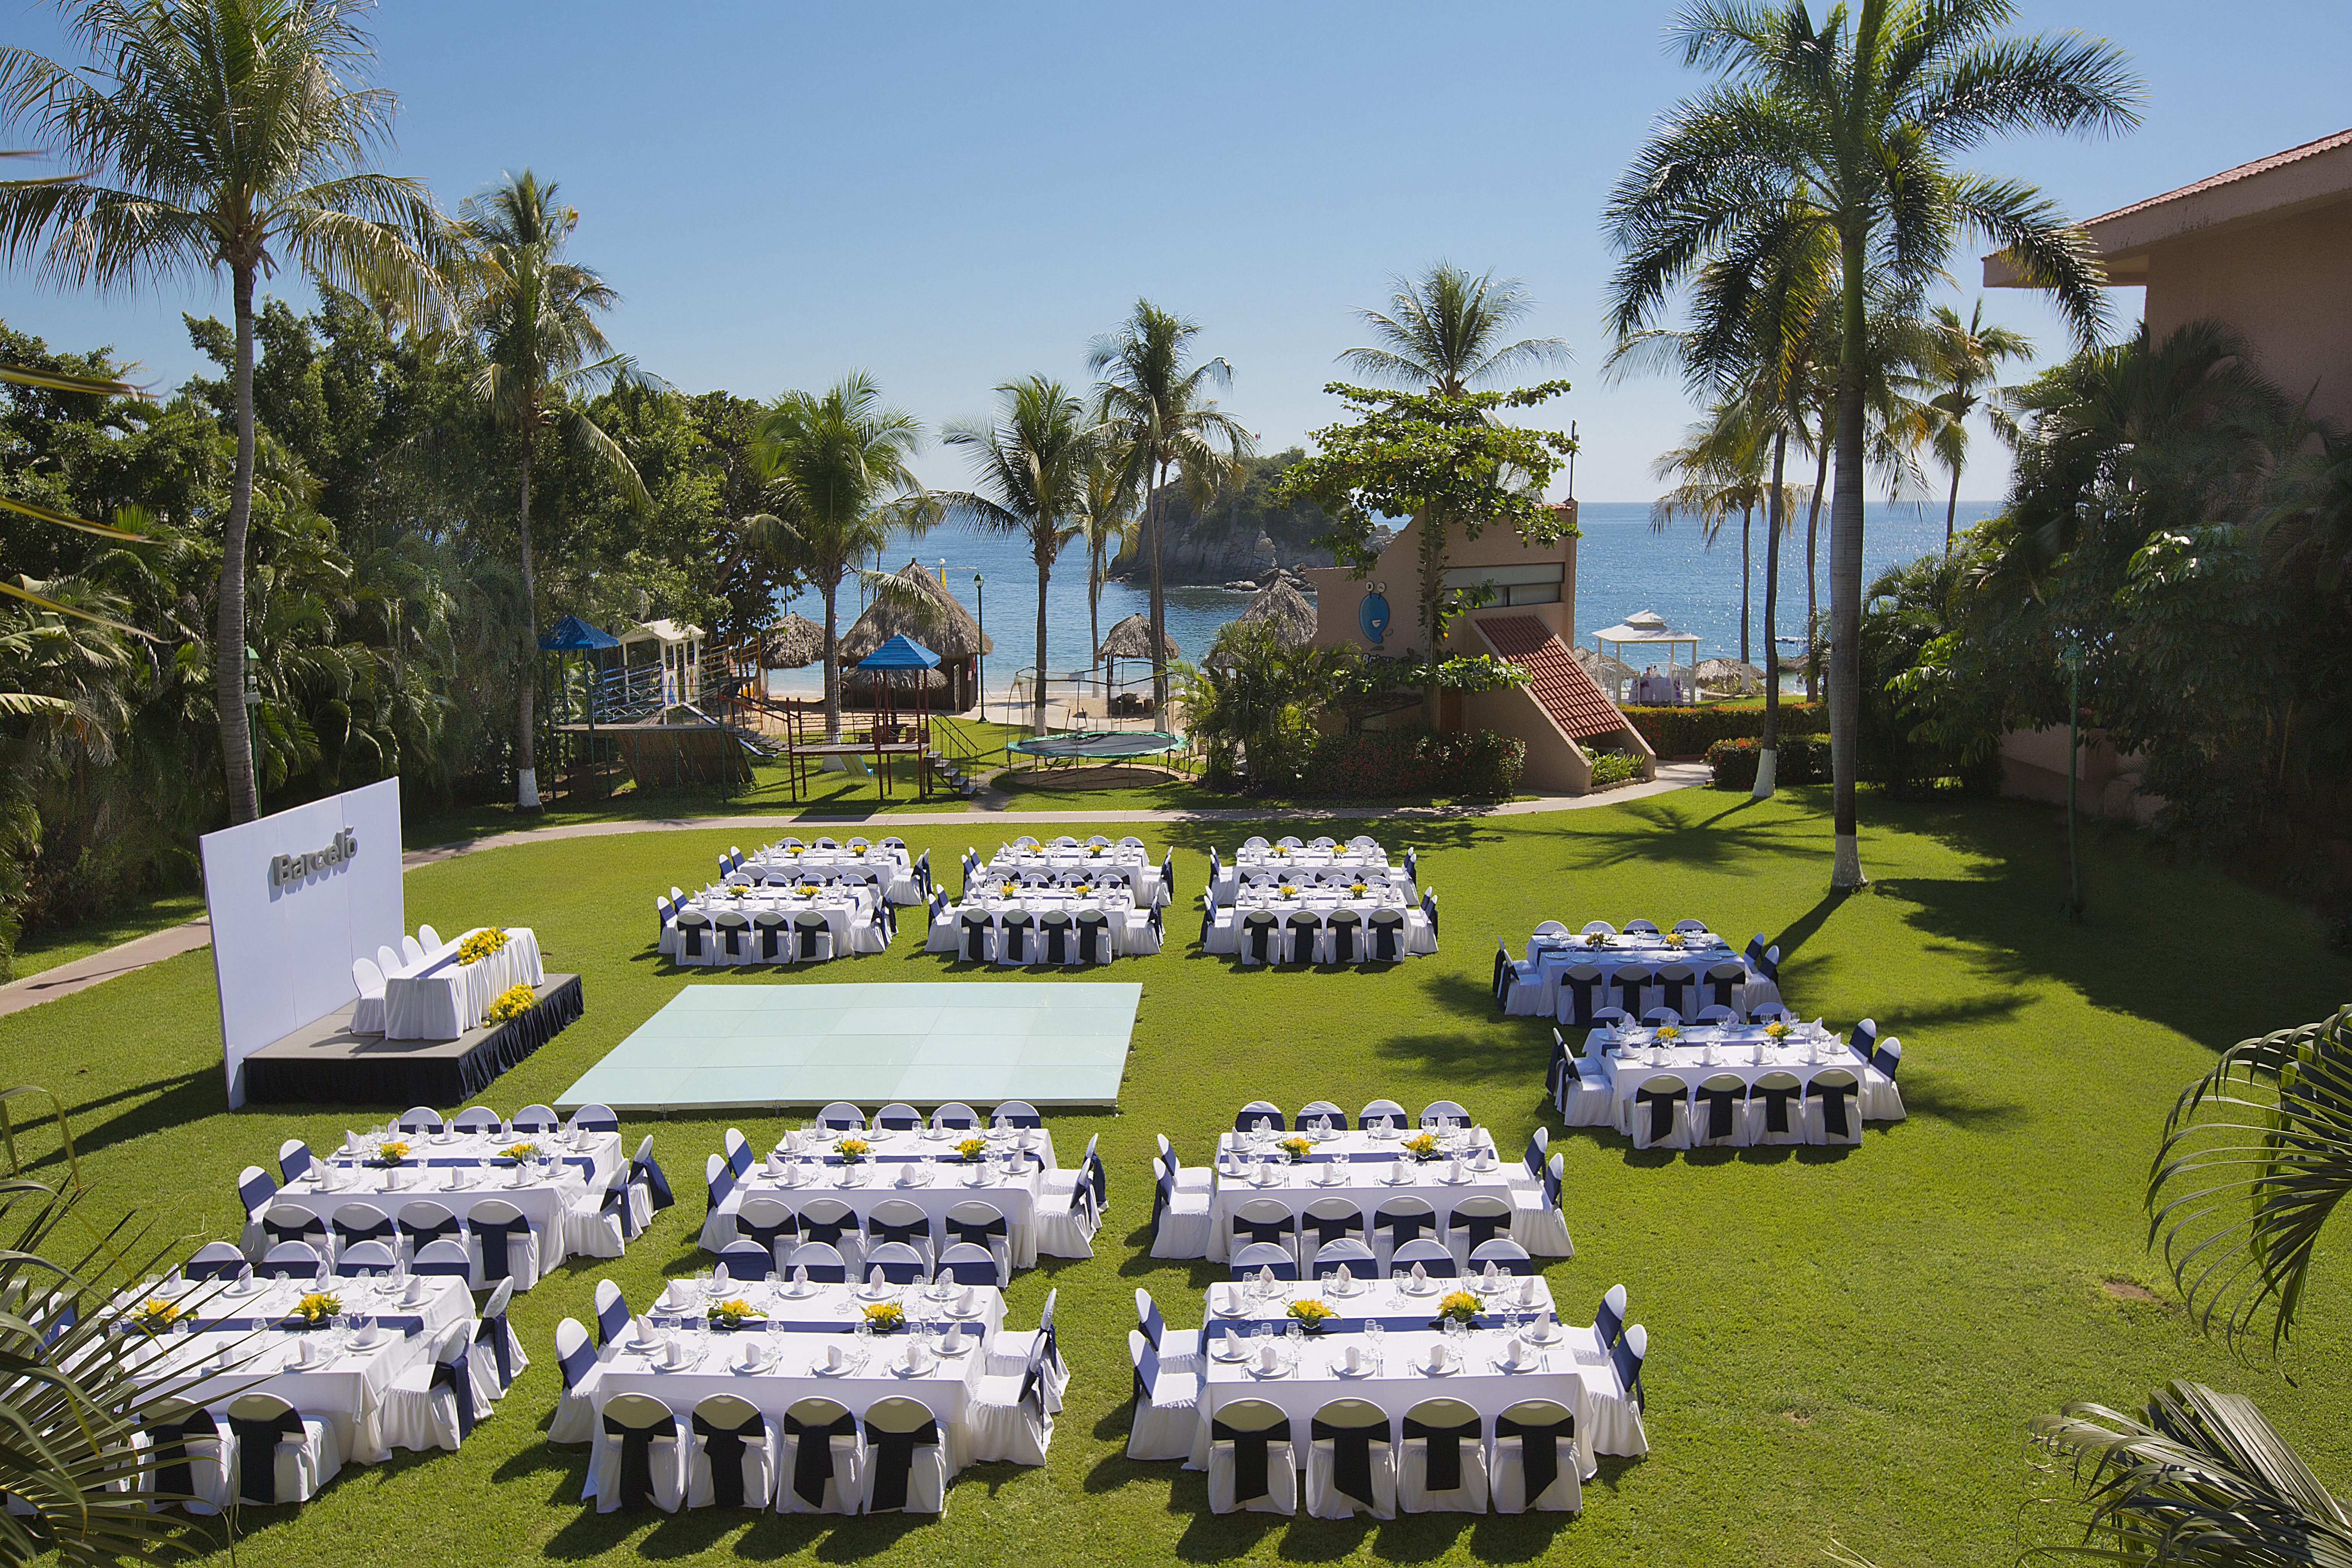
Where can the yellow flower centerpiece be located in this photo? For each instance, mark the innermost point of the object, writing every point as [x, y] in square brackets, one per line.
[1358, 888]
[884, 1317]
[388, 1154]
[512, 1003]
[1459, 1305]
[1010, 888]
[731, 1314]
[481, 945]
[853, 1150]
[520, 1153]
[316, 1308]
[1677, 939]
[1668, 1034]
[1297, 1148]
[1776, 1031]
[1421, 1145]
[1596, 939]
[972, 1150]
[1312, 1314]
[1082, 888]
[1287, 891]
[808, 890]
[156, 1316]
[737, 889]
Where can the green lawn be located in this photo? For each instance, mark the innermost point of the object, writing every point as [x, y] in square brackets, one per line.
[1845, 1344]
[47, 948]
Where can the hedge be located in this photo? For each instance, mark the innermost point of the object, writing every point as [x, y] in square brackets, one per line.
[1689, 731]
[1476, 765]
[1801, 759]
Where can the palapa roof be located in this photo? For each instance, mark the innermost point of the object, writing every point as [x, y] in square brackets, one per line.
[949, 630]
[792, 643]
[1284, 607]
[1602, 666]
[1131, 639]
[1745, 676]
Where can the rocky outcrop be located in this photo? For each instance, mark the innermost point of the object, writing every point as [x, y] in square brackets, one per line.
[1241, 534]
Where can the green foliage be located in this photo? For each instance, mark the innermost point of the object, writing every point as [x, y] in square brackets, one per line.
[1689, 732]
[1798, 759]
[1250, 704]
[1614, 768]
[1242, 504]
[1381, 764]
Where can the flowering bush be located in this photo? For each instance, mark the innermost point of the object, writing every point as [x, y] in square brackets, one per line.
[1683, 731]
[1803, 759]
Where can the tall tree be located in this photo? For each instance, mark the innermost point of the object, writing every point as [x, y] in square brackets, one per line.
[536, 313]
[836, 463]
[217, 136]
[1033, 461]
[1109, 524]
[1155, 402]
[1720, 475]
[1964, 357]
[1443, 330]
[1851, 127]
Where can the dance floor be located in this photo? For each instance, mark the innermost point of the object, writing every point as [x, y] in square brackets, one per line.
[714, 1047]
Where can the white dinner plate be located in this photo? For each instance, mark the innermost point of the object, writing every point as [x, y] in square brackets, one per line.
[1339, 1369]
[1265, 1376]
[963, 1349]
[1533, 1363]
[1240, 1354]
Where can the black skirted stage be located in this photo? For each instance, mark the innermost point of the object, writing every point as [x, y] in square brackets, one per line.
[325, 1064]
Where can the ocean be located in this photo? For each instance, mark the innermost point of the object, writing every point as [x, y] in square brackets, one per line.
[1622, 566]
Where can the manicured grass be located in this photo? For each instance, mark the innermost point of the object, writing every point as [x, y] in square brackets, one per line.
[40, 949]
[1033, 789]
[1845, 1344]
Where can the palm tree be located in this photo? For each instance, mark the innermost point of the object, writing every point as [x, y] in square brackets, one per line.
[1850, 130]
[1108, 525]
[536, 315]
[836, 462]
[1156, 405]
[1964, 357]
[217, 136]
[1720, 475]
[1441, 329]
[1034, 461]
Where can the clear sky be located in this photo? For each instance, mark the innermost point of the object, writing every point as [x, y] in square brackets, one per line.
[951, 195]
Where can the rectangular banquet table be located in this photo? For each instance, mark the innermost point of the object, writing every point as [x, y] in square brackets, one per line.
[346, 1392]
[1142, 872]
[1251, 864]
[1224, 932]
[438, 998]
[1364, 1162]
[848, 914]
[1554, 956]
[888, 873]
[1131, 931]
[581, 1167]
[1710, 1051]
[818, 1172]
[1566, 1371]
[827, 1315]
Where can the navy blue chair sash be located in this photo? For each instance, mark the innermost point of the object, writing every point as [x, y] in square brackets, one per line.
[1328, 1228]
[422, 1236]
[1661, 1103]
[615, 1202]
[1249, 1455]
[893, 1458]
[813, 1454]
[312, 1228]
[637, 1482]
[979, 1233]
[257, 1452]
[1719, 1103]
[457, 1375]
[828, 1231]
[766, 1234]
[1258, 929]
[1583, 990]
[1776, 1107]
[213, 1269]
[975, 937]
[494, 1236]
[494, 1333]
[1483, 1228]
[1272, 1230]
[1352, 1457]
[382, 1230]
[1403, 1228]
[723, 1447]
[1445, 1466]
[1538, 1449]
[1833, 1098]
[169, 1441]
[912, 1235]
[649, 1171]
[1387, 936]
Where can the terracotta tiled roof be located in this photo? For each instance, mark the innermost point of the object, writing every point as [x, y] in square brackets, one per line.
[1575, 701]
[2242, 172]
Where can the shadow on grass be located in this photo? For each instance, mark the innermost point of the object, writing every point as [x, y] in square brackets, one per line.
[159, 1106]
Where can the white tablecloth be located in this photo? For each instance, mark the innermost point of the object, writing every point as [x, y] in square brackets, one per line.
[888, 873]
[827, 1316]
[1250, 864]
[346, 1392]
[1131, 932]
[1365, 1163]
[1224, 933]
[1555, 956]
[875, 1179]
[1741, 1051]
[471, 1159]
[848, 913]
[1137, 864]
[1398, 1382]
[438, 998]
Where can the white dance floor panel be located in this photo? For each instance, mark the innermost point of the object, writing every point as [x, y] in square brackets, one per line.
[1058, 1044]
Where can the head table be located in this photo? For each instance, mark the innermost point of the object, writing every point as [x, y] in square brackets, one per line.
[458, 1170]
[1359, 1167]
[849, 912]
[438, 998]
[791, 1333]
[242, 1340]
[1560, 1362]
[919, 1167]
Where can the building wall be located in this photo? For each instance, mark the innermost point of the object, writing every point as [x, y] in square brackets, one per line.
[2286, 283]
[1397, 574]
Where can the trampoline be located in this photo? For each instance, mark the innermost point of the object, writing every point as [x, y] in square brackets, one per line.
[1096, 745]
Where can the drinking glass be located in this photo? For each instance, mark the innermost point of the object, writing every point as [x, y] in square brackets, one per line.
[702, 1281]
[1376, 1335]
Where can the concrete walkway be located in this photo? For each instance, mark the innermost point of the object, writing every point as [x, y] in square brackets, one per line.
[83, 972]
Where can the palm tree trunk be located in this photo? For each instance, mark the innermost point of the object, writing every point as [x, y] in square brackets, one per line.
[1094, 611]
[228, 631]
[1951, 509]
[833, 664]
[1747, 592]
[1158, 605]
[1812, 571]
[526, 759]
[1044, 572]
[1767, 760]
[1845, 574]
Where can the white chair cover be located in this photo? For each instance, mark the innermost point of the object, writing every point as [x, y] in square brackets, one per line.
[668, 1456]
[842, 1491]
[1323, 1498]
[1412, 1464]
[209, 1472]
[575, 1408]
[1006, 1428]
[1281, 1481]
[762, 1461]
[1164, 1423]
[302, 1465]
[927, 1475]
[418, 1414]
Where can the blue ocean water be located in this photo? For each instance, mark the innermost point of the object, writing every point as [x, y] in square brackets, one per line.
[1622, 566]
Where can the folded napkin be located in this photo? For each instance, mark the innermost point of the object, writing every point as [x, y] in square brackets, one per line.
[644, 1329]
[970, 1301]
[775, 1166]
[244, 1273]
[1458, 1174]
[1355, 1358]
[1419, 1276]
[1526, 1289]
[1233, 1342]
[1493, 1275]
[918, 1356]
[1396, 1170]
[721, 1279]
[416, 1291]
[875, 1278]
[1515, 1350]
[800, 1276]
[350, 1141]
[833, 1357]
[909, 1175]
[1437, 1356]
[952, 1340]
[1266, 1358]
[748, 1358]
[1342, 1280]
[1265, 1279]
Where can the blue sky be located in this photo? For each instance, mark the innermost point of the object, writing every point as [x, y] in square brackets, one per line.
[949, 196]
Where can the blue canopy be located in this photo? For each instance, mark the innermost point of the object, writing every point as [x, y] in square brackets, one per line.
[900, 653]
[573, 635]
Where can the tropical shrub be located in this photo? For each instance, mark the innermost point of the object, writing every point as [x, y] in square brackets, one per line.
[1683, 731]
[1476, 765]
[1614, 768]
[1801, 759]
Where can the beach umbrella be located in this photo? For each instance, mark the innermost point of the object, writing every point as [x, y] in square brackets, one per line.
[1285, 608]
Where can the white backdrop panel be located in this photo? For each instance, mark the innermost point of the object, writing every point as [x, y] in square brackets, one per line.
[284, 935]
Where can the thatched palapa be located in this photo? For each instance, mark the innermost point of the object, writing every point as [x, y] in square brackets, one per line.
[1131, 639]
[792, 642]
[1290, 612]
[934, 618]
